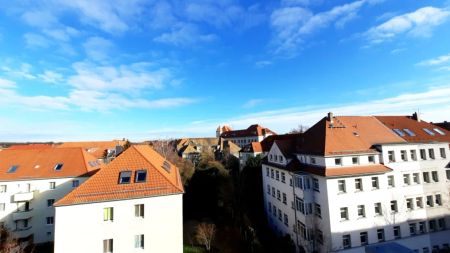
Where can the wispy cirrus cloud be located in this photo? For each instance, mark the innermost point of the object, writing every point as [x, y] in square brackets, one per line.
[435, 61]
[49, 76]
[419, 23]
[185, 34]
[253, 102]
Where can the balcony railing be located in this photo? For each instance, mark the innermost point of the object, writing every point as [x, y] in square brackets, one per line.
[23, 196]
[22, 215]
[23, 232]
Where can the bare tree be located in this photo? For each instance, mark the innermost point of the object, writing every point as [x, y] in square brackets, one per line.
[299, 129]
[205, 234]
[10, 244]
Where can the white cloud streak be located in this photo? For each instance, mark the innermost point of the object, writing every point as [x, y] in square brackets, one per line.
[435, 61]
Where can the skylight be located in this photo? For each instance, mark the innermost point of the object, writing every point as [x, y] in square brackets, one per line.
[166, 166]
[141, 176]
[124, 177]
[428, 131]
[399, 132]
[439, 131]
[409, 132]
[58, 166]
[13, 169]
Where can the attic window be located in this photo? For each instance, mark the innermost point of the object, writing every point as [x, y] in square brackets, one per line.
[166, 166]
[141, 176]
[13, 169]
[124, 177]
[409, 132]
[399, 132]
[58, 166]
[428, 131]
[439, 131]
[93, 163]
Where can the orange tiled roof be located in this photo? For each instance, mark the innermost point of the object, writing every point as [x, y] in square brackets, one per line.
[95, 148]
[40, 163]
[402, 122]
[31, 146]
[254, 147]
[253, 130]
[104, 186]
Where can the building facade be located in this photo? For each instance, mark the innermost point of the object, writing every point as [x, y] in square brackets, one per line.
[352, 182]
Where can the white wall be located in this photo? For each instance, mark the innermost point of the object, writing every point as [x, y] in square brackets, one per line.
[80, 228]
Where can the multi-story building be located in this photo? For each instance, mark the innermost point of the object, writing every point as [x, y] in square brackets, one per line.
[134, 204]
[103, 150]
[352, 182]
[31, 180]
[254, 133]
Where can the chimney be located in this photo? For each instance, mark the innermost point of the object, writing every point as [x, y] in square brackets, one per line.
[330, 117]
[416, 116]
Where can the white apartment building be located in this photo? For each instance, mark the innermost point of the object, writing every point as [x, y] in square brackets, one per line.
[349, 182]
[254, 133]
[31, 180]
[134, 204]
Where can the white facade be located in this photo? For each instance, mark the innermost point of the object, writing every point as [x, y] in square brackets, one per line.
[161, 226]
[324, 213]
[26, 206]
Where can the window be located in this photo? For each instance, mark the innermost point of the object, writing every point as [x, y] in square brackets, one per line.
[284, 198]
[391, 182]
[270, 207]
[2, 207]
[141, 176]
[426, 177]
[441, 224]
[419, 202]
[375, 183]
[271, 173]
[274, 211]
[50, 202]
[438, 200]
[338, 161]
[317, 210]
[447, 173]
[394, 208]
[279, 214]
[273, 192]
[412, 228]
[355, 160]
[58, 166]
[378, 210]
[124, 177]
[316, 184]
[302, 229]
[270, 157]
[413, 154]
[442, 151]
[423, 154]
[409, 132]
[344, 213]
[380, 235]
[432, 225]
[422, 227]
[108, 214]
[268, 189]
[281, 158]
[52, 185]
[425, 250]
[431, 153]
[12, 169]
[50, 220]
[363, 238]
[434, 176]
[391, 156]
[300, 205]
[319, 236]
[428, 131]
[361, 211]
[3, 188]
[409, 204]
[416, 179]
[277, 174]
[278, 195]
[341, 186]
[399, 132]
[430, 202]
[267, 172]
[346, 242]
[439, 131]
[283, 177]
[403, 155]
[371, 159]
[406, 179]
[108, 246]
[397, 232]
[358, 184]
[139, 210]
[75, 183]
[286, 221]
[313, 160]
[139, 241]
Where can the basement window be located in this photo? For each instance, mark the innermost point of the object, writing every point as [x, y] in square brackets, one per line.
[124, 177]
[141, 176]
[13, 169]
[58, 166]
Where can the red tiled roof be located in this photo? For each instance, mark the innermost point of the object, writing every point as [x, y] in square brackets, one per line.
[104, 186]
[40, 163]
[95, 148]
[402, 122]
[31, 146]
[254, 147]
[253, 130]
[266, 144]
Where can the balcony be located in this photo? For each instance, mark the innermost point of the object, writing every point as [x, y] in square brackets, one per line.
[22, 215]
[23, 232]
[23, 196]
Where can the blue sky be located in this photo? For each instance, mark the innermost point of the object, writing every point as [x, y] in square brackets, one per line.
[78, 70]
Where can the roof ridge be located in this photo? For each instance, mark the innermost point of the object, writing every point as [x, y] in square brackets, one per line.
[134, 147]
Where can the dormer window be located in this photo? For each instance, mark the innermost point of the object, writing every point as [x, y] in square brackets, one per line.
[124, 177]
[58, 166]
[428, 131]
[270, 157]
[281, 158]
[141, 176]
[399, 132]
[12, 169]
[166, 166]
[409, 132]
